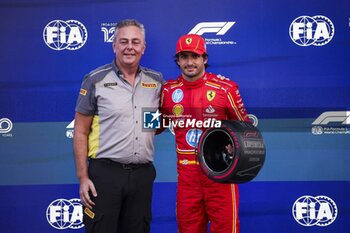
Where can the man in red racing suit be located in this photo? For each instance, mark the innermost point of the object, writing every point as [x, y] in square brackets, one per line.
[193, 102]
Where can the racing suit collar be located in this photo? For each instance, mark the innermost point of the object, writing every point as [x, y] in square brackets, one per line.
[198, 83]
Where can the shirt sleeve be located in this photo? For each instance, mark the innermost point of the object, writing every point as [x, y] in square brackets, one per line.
[86, 103]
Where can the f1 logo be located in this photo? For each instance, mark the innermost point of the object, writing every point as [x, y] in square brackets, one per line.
[325, 118]
[220, 28]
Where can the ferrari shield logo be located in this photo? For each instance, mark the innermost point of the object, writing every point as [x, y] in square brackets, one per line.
[188, 41]
[211, 95]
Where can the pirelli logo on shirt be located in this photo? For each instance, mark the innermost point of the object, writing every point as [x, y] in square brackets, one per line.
[83, 91]
[89, 213]
[148, 85]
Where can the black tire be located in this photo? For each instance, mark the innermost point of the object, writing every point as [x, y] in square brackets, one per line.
[247, 152]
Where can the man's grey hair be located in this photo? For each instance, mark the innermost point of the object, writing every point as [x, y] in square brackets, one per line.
[129, 22]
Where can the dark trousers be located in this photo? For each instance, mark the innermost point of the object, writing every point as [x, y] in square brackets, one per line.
[124, 197]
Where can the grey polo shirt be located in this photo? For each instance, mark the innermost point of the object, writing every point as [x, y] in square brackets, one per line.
[116, 107]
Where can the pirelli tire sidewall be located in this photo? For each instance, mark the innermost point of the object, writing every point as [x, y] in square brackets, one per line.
[247, 160]
[223, 175]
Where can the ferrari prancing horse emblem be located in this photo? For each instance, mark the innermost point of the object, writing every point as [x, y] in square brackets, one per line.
[211, 95]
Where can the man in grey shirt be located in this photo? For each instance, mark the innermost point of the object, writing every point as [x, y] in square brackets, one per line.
[113, 155]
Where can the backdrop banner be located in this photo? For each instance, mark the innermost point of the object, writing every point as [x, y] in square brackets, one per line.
[290, 59]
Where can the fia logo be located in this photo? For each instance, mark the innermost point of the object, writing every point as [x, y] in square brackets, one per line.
[151, 119]
[317, 30]
[61, 35]
[315, 211]
[63, 214]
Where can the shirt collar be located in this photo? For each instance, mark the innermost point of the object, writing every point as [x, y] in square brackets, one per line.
[198, 83]
[119, 73]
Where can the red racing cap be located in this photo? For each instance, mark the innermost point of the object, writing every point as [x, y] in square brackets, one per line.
[191, 43]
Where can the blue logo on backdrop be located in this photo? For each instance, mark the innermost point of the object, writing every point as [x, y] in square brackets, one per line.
[219, 28]
[253, 119]
[61, 35]
[332, 122]
[108, 30]
[5, 125]
[62, 214]
[177, 95]
[310, 211]
[151, 119]
[317, 30]
[193, 136]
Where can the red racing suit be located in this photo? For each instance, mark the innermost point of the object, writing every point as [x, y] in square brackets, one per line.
[199, 199]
